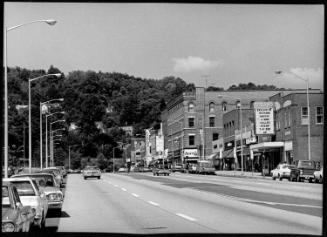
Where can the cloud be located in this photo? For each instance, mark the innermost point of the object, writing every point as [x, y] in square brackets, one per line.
[193, 64]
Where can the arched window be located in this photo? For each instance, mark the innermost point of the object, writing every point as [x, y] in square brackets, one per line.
[212, 107]
[224, 106]
[190, 107]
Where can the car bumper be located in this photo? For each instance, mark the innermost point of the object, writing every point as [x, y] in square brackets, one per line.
[307, 177]
[55, 205]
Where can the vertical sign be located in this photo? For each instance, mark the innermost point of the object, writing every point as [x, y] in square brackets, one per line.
[264, 117]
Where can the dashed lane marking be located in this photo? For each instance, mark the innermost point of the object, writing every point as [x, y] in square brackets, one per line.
[135, 195]
[153, 203]
[186, 217]
[124, 189]
[116, 185]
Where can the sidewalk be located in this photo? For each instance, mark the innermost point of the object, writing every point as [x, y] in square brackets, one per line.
[240, 174]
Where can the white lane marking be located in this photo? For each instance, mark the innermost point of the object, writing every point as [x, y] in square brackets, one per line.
[124, 189]
[135, 195]
[186, 217]
[116, 185]
[268, 203]
[153, 203]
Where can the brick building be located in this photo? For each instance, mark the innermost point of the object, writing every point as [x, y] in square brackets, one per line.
[194, 120]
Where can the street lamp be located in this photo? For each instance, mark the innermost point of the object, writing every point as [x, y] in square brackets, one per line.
[306, 80]
[41, 142]
[241, 125]
[49, 22]
[46, 134]
[30, 116]
[51, 139]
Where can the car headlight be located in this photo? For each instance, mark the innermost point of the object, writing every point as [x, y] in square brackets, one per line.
[8, 227]
[54, 197]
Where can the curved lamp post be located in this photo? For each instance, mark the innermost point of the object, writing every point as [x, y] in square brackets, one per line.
[30, 116]
[308, 105]
[41, 142]
[46, 134]
[49, 22]
[51, 140]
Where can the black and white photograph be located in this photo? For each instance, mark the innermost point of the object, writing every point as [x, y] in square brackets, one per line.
[167, 119]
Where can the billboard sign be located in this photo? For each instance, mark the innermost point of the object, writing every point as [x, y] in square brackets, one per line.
[264, 117]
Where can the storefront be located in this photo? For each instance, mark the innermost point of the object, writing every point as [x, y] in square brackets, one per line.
[228, 160]
[270, 155]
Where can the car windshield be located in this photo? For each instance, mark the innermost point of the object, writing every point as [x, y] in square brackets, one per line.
[24, 188]
[5, 197]
[306, 163]
[43, 180]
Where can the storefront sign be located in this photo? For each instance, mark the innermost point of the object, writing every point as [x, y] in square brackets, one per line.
[190, 153]
[288, 146]
[264, 117]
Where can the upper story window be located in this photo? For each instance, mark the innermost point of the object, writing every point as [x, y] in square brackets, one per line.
[211, 121]
[191, 140]
[319, 115]
[191, 122]
[224, 106]
[215, 136]
[191, 107]
[212, 107]
[304, 116]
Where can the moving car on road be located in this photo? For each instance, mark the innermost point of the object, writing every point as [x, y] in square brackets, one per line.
[318, 175]
[177, 168]
[15, 216]
[284, 171]
[30, 195]
[51, 189]
[91, 172]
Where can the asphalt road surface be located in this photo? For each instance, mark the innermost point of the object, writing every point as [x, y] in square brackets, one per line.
[185, 203]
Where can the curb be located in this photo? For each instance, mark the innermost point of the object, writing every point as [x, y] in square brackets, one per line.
[244, 176]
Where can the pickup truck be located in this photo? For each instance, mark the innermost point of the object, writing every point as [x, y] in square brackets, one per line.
[305, 170]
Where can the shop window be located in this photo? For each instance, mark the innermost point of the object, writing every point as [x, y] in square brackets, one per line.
[319, 115]
[190, 107]
[211, 121]
[304, 116]
[191, 140]
[191, 122]
[212, 107]
[215, 136]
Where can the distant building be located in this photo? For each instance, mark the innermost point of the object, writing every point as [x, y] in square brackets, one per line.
[137, 150]
[194, 120]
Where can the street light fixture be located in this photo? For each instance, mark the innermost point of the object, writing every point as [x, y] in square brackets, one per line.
[51, 139]
[49, 22]
[46, 135]
[241, 125]
[306, 80]
[30, 116]
[41, 142]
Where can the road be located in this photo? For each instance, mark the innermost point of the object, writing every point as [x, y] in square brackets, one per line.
[185, 203]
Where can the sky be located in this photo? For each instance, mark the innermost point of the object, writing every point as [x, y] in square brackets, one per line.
[206, 44]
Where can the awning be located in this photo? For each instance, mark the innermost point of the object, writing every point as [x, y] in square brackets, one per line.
[264, 145]
[213, 156]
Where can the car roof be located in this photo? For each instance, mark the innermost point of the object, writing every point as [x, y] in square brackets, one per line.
[18, 179]
[33, 174]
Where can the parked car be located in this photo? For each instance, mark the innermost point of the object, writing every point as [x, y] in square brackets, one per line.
[204, 167]
[122, 169]
[51, 189]
[57, 174]
[15, 216]
[192, 168]
[30, 195]
[177, 168]
[318, 175]
[305, 170]
[284, 171]
[91, 172]
[63, 170]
